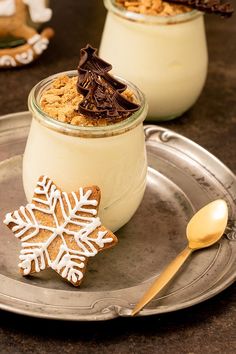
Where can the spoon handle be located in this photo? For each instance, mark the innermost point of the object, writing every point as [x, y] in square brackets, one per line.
[163, 279]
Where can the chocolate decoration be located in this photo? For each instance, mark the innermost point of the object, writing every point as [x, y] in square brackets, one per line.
[218, 7]
[102, 93]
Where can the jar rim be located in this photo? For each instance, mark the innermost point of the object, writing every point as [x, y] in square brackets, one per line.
[85, 131]
[150, 19]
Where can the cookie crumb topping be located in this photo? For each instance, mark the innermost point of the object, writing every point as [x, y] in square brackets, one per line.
[176, 7]
[153, 7]
[62, 99]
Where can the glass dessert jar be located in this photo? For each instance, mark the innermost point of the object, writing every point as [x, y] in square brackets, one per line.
[166, 57]
[112, 157]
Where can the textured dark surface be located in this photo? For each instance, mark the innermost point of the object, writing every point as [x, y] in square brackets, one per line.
[206, 328]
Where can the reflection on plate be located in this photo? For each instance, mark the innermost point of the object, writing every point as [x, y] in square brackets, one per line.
[182, 177]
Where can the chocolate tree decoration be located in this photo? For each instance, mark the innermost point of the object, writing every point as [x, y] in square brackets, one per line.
[102, 92]
[218, 7]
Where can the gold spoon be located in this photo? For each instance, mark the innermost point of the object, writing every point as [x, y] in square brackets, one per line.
[204, 229]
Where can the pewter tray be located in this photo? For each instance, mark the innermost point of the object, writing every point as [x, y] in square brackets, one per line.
[182, 177]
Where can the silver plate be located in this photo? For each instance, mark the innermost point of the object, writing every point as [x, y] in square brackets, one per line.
[182, 177]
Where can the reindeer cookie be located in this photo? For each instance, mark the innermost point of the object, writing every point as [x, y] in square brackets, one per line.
[13, 22]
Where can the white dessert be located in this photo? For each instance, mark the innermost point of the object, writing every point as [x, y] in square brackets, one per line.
[165, 56]
[117, 164]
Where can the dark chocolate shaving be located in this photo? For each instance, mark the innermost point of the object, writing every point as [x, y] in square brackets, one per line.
[102, 93]
[218, 7]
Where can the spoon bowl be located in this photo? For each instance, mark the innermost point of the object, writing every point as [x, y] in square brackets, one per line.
[208, 225]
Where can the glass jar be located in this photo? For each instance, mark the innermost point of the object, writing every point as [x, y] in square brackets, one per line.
[112, 157]
[166, 57]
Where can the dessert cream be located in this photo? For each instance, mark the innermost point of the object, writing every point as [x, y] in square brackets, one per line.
[164, 54]
[112, 157]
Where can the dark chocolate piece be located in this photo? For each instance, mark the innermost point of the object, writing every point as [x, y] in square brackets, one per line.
[102, 93]
[218, 7]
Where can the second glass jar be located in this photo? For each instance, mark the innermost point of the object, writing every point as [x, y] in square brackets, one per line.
[166, 57]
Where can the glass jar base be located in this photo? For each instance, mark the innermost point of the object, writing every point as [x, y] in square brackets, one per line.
[164, 118]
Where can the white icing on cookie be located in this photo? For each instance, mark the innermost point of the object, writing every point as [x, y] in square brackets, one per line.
[7, 60]
[68, 262]
[7, 7]
[25, 57]
[37, 45]
[39, 13]
[33, 39]
[40, 45]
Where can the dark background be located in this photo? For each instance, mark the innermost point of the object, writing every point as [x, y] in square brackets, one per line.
[205, 328]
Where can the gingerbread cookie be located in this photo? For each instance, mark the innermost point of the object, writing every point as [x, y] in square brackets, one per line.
[13, 23]
[59, 230]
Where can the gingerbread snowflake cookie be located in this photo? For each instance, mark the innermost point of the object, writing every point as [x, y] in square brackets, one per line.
[59, 230]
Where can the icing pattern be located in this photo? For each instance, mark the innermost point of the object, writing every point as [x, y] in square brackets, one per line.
[37, 44]
[7, 7]
[39, 13]
[7, 60]
[65, 222]
[25, 57]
